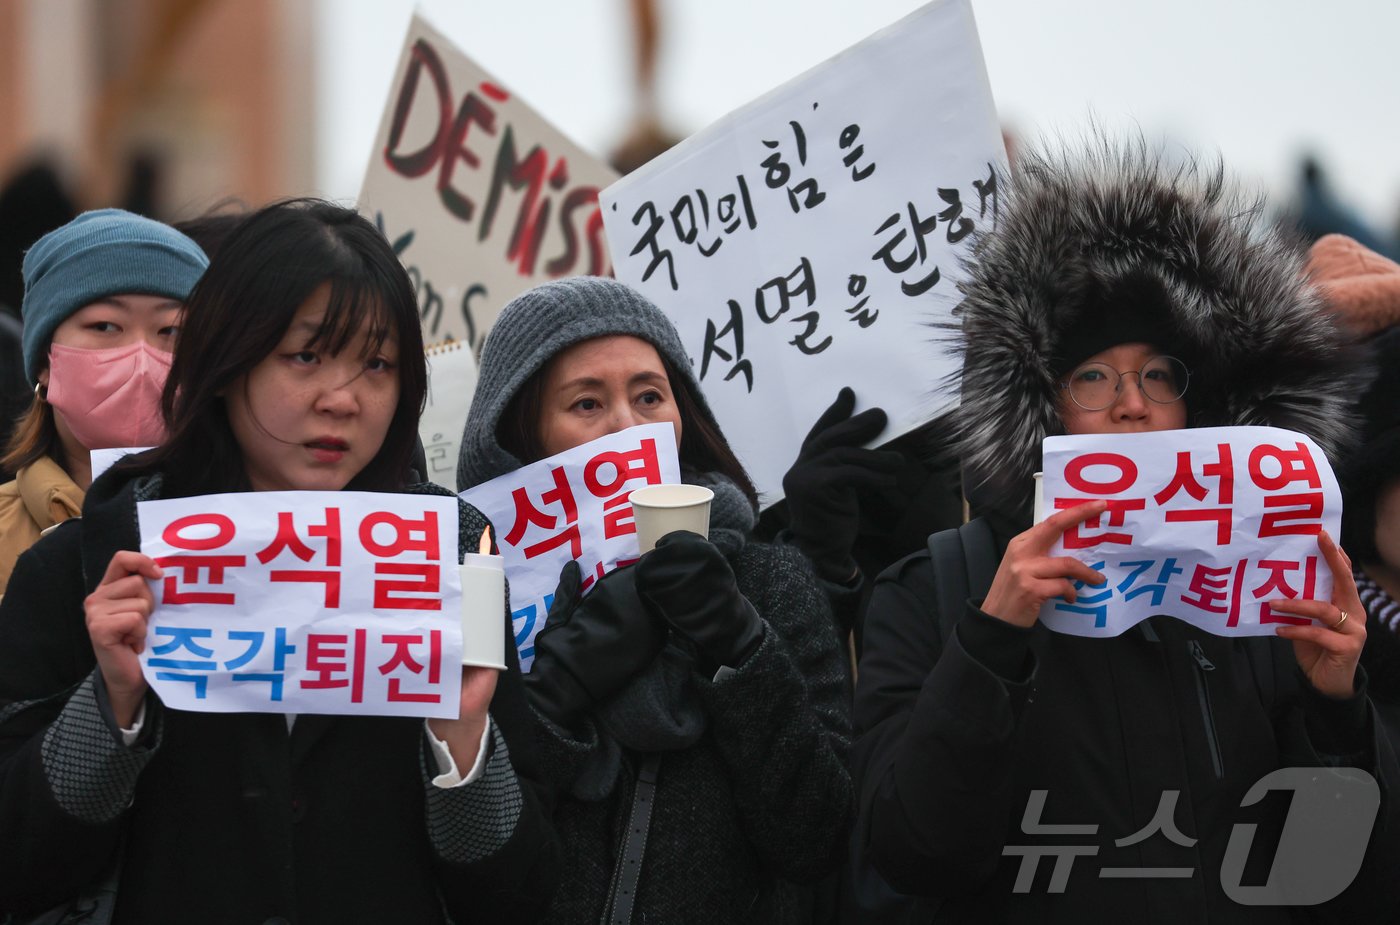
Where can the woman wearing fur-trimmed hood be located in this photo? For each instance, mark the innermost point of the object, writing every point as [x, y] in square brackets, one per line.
[1111, 281]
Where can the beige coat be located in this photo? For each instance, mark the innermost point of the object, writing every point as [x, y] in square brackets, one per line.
[41, 495]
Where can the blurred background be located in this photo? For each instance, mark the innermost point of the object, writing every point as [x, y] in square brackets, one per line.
[174, 107]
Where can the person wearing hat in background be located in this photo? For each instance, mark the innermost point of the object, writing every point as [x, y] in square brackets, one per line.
[1111, 283]
[102, 301]
[710, 669]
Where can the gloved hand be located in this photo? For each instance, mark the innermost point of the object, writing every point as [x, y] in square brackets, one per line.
[690, 584]
[590, 646]
[824, 486]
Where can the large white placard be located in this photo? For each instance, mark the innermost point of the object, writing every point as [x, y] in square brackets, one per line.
[571, 506]
[480, 197]
[1208, 525]
[305, 602]
[811, 239]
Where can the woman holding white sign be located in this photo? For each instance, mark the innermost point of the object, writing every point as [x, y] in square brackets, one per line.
[1117, 295]
[301, 368]
[700, 694]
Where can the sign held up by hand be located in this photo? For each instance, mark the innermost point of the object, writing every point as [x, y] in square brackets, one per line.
[1207, 524]
[571, 506]
[480, 197]
[305, 602]
[812, 238]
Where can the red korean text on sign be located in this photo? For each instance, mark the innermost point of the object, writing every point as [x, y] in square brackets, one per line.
[402, 657]
[405, 585]
[528, 515]
[1217, 590]
[1184, 479]
[335, 661]
[1276, 586]
[1118, 508]
[288, 540]
[189, 566]
[1292, 512]
[640, 464]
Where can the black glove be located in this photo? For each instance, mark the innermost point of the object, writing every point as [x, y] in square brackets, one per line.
[690, 584]
[824, 486]
[590, 646]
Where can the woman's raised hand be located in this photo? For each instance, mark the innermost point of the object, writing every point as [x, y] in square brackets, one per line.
[117, 611]
[1028, 576]
[1329, 649]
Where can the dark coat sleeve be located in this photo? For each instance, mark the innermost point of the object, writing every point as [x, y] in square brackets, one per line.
[934, 747]
[782, 720]
[65, 777]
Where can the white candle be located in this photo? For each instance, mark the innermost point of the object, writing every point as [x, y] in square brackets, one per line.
[483, 610]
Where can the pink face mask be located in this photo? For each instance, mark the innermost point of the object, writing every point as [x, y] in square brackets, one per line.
[109, 397]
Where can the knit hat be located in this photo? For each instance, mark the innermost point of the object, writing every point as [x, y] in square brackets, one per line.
[533, 328]
[1130, 309]
[101, 253]
[1358, 283]
[1376, 462]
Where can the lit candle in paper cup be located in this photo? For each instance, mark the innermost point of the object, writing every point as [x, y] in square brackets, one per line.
[661, 509]
[483, 607]
[1038, 511]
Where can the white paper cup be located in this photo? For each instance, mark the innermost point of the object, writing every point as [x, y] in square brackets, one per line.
[660, 509]
[483, 611]
[1038, 512]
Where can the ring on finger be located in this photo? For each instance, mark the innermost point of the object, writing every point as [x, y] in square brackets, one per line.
[1338, 624]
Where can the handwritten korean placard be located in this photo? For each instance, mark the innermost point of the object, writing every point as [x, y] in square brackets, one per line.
[1207, 525]
[811, 239]
[571, 506]
[305, 602]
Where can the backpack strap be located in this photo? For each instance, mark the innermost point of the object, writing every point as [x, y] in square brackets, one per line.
[964, 562]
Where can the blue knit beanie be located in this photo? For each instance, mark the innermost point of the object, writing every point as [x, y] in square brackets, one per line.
[534, 327]
[98, 254]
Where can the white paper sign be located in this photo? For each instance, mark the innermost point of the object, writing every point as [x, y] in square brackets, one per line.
[451, 382]
[102, 460]
[809, 240]
[571, 506]
[305, 602]
[480, 197]
[1207, 524]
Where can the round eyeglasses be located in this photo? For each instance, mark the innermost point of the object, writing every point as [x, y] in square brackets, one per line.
[1095, 386]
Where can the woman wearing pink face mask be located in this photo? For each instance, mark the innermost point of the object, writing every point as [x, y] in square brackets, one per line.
[102, 302]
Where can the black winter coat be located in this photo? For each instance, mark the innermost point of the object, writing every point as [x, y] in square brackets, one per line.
[229, 817]
[950, 752]
[748, 818]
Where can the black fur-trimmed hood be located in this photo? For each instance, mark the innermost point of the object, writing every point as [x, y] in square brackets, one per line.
[1075, 225]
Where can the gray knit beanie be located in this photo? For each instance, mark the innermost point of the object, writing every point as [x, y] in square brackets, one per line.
[101, 253]
[534, 327]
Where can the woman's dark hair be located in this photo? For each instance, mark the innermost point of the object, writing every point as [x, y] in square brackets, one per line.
[703, 448]
[213, 228]
[239, 311]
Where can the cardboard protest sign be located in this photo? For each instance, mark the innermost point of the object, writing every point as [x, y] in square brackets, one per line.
[305, 602]
[811, 239]
[1208, 525]
[481, 197]
[571, 506]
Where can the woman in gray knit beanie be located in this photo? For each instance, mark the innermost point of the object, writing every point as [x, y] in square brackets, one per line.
[102, 301]
[706, 682]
